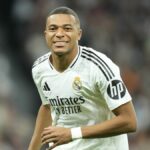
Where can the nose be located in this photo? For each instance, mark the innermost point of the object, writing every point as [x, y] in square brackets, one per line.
[60, 33]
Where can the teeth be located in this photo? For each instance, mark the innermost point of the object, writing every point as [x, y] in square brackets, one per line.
[61, 42]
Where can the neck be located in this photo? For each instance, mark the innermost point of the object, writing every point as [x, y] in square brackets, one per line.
[62, 62]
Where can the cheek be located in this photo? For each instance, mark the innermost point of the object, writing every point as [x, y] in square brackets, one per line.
[74, 37]
[48, 38]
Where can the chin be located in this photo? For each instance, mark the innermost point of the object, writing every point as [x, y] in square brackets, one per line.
[60, 52]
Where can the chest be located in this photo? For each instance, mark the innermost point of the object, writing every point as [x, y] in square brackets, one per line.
[67, 84]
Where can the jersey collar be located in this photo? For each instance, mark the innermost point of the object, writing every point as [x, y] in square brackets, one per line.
[72, 63]
[76, 58]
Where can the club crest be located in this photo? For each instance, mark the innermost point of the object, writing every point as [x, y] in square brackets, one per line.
[77, 84]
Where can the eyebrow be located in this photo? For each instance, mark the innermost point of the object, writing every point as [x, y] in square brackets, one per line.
[60, 26]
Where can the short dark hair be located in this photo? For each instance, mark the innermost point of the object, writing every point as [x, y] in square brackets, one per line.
[65, 10]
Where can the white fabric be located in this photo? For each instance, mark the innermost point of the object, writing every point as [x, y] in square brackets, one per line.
[84, 94]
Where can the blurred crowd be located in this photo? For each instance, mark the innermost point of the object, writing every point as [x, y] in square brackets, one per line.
[120, 29]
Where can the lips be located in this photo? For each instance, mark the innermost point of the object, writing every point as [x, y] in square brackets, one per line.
[60, 43]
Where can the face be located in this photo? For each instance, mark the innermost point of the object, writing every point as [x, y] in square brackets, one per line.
[62, 33]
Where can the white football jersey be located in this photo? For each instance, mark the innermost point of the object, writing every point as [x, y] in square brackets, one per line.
[84, 94]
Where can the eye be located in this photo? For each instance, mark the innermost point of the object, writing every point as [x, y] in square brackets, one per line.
[67, 29]
[52, 28]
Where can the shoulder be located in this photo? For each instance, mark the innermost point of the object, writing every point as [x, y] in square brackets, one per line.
[101, 63]
[93, 54]
[41, 59]
[39, 65]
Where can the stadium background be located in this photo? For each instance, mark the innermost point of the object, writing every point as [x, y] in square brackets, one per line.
[120, 29]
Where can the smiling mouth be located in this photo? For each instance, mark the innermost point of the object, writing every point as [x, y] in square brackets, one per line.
[60, 43]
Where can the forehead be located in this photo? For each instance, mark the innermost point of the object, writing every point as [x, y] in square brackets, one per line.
[61, 19]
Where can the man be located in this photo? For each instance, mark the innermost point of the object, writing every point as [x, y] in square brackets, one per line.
[85, 104]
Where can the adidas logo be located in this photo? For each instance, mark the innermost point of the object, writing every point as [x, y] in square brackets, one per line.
[46, 87]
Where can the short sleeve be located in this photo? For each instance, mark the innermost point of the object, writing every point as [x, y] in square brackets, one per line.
[37, 81]
[110, 84]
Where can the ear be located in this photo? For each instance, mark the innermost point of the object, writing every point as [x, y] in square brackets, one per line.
[79, 34]
[45, 33]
